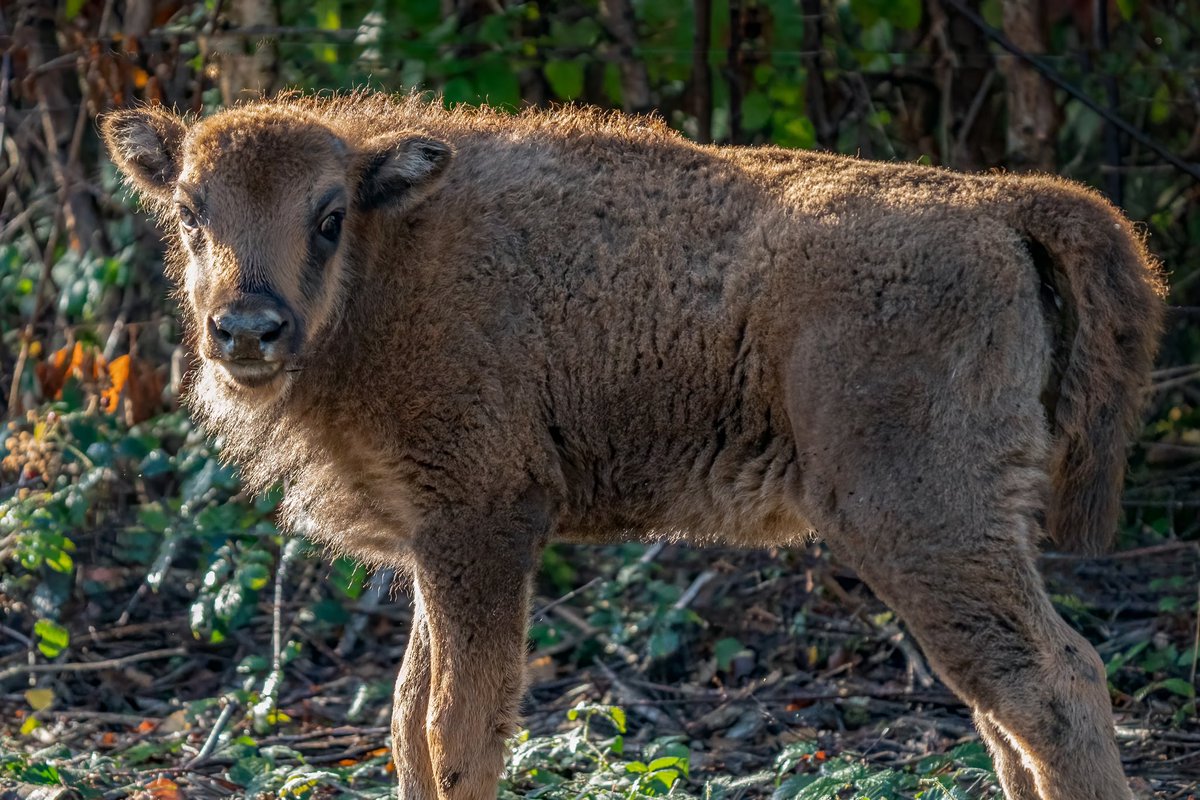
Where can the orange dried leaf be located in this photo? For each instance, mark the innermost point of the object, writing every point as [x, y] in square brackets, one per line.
[164, 789]
[347, 762]
[382, 751]
[118, 375]
[147, 725]
[108, 739]
[140, 76]
[52, 373]
[84, 364]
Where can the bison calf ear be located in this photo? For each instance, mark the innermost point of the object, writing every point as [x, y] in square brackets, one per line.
[399, 173]
[145, 145]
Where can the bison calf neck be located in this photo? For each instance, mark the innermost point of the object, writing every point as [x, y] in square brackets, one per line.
[460, 334]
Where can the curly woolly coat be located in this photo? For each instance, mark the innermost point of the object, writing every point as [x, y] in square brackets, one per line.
[578, 324]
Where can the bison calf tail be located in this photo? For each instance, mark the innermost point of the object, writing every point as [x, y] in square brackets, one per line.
[1110, 314]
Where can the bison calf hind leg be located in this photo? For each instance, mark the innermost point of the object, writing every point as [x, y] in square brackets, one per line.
[975, 603]
[944, 532]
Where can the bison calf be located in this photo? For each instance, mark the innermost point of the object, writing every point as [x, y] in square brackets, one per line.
[459, 334]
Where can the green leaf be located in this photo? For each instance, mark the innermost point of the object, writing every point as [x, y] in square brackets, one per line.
[973, 755]
[329, 17]
[245, 770]
[52, 637]
[40, 773]
[904, 14]
[330, 611]
[153, 517]
[229, 600]
[59, 560]
[459, 90]
[156, 463]
[796, 132]
[495, 30]
[348, 577]
[1178, 686]
[565, 78]
[666, 777]
[725, 651]
[1160, 104]
[254, 576]
[269, 500]
[756, 111]
[663, 643]
[497, 85]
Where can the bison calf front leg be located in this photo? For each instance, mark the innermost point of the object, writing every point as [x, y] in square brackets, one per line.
[410, 749]
[474, 585]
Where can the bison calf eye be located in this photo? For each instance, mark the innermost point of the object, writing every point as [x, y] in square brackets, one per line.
[331, 226]
[187, 218]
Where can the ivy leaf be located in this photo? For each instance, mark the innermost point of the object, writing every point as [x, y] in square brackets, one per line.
[52, 637]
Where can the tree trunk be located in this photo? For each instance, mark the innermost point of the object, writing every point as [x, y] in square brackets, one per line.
[62, 114]
[618, 18]
[815, 89]
[248, 67]
[701, 72]
[1033, 115]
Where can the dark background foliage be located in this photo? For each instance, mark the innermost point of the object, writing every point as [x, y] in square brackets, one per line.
[160, 638]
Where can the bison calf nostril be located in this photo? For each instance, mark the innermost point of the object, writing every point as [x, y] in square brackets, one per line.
[273, 334]
[220, 334]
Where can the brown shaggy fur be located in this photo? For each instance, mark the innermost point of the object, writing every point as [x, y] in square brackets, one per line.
[576, 324]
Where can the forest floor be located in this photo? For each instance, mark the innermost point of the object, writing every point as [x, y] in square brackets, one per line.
[734, 674]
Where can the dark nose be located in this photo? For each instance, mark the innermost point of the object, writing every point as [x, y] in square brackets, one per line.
[246, 333]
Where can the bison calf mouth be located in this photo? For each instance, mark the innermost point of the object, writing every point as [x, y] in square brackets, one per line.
[251, 373]
[250, 340]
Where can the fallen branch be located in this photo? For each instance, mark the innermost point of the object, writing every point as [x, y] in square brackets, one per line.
[93, 666]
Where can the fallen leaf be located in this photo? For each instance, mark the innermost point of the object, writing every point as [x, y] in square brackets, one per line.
[39, 699]
[76, 361]
[175, 721]
[139, 383]
[118, 374]
[541, 670]
[162, 788]
[52, 373]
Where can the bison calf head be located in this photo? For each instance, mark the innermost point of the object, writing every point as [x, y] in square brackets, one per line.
[263, 207]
